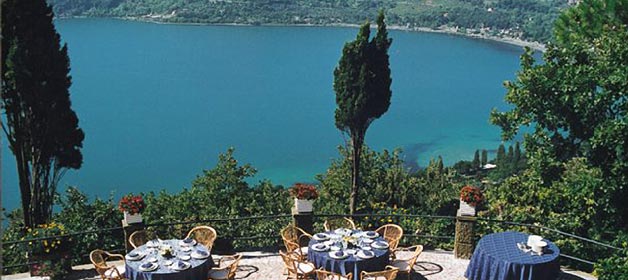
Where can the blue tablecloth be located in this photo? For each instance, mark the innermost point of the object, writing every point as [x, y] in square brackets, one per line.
[198, 270]
[351, 264]
[497, 257]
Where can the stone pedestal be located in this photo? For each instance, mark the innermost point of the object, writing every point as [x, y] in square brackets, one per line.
[304, 220]
[465, 237]
[128, 230]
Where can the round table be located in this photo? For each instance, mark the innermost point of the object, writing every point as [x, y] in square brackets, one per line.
[497, 257]
[199, 268]
[351, 264]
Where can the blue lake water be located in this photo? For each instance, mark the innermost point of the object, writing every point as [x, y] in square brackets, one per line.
[159, 103]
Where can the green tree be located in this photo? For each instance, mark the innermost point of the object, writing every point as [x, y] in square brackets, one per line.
[476, 159]
[484, 160]
[41, 127]
[576, 101]
[501, 154]
[589, 19]
[516, 160]
[362, 85]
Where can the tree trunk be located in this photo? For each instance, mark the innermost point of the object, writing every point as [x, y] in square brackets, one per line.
[24, 183]
[356, 141]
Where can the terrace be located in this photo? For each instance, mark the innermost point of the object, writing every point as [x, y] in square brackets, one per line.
[261, 260]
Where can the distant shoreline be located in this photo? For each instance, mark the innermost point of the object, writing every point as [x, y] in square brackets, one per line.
[450, 31]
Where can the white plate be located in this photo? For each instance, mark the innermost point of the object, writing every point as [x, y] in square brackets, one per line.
[365, 254]
[320, 237]
[184, 257]
[168, 263]
[335, 248]
[338, 255]
[342, 231]
[186, 248]
[181, 265]
[366, 248]
[371, 234]
[328, 242]
[367, 240]
[152, 259]
[187, 242]
[152, 244]
[198, 255]
[320, 247]
[148, 268]
[380, 245]
[350, 251]
[134, 256]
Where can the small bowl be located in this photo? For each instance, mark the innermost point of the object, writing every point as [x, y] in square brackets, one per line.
[538, 246]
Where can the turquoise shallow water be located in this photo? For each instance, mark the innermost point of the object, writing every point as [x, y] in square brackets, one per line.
[159, 103]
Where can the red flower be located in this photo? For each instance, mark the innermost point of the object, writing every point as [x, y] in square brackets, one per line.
[471, 195]
[304, 191]
[132, 203]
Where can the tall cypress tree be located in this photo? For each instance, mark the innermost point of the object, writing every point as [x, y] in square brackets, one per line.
[362, 85]
[501, 154]
[484, 160]
[41, 127]
[476, 159]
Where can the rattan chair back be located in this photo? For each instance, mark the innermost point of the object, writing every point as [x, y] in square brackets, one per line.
[205, 235]
[295, 266]
[138, 238]
[389, 274]
[99, 260]
[328, 275]
[392, 233]
[335, 223]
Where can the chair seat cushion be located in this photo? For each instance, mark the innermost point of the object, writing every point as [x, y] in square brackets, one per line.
[219, 274]
[375, 278]
[111, 273]
[402, 265]
[303, 251]
[336, 277]
[304, 268]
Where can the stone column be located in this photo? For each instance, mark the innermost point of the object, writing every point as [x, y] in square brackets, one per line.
[304, 220]
[465, 237]
[128, 230]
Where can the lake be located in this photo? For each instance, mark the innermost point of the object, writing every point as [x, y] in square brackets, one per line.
[159, 103]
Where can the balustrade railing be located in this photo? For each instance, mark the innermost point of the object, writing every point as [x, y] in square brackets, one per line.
[264, 232]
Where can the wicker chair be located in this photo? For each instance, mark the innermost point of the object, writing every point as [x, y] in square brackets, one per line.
[335, 223]
[205, 235]
[296, 240]
[405, 266]
[297, 268]
[389, 274]
[322, 274]
[392, 233]
[138, 238]
[226, 269]
[99, 258]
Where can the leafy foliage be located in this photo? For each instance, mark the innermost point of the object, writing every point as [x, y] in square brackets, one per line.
[530, 19]
[576, 102]
[613, 268]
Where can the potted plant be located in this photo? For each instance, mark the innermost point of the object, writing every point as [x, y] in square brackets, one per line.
[304, 195]
[49, 256]
[132, 207]
[470, 197]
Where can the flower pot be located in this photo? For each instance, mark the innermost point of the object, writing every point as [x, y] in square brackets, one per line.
[303, 205]
[132, 219]
[466, 209]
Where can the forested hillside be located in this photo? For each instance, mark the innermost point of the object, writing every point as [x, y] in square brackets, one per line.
[526, 19]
